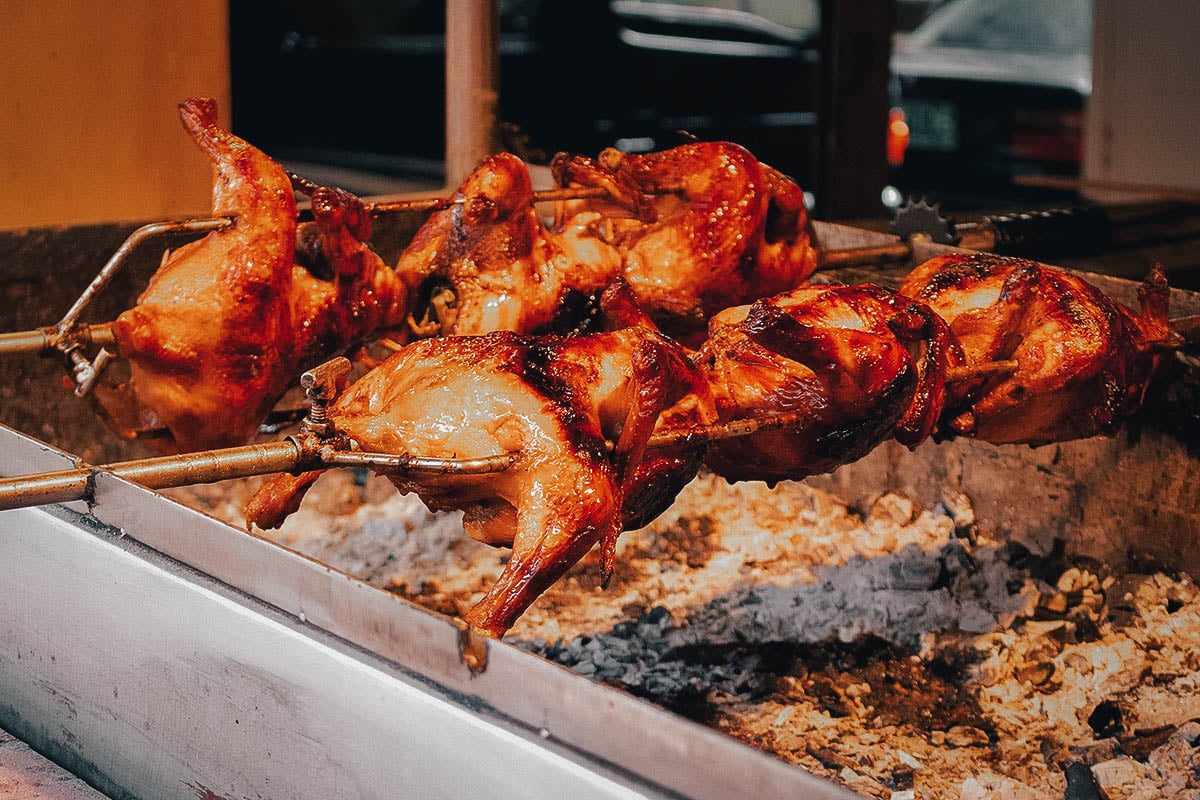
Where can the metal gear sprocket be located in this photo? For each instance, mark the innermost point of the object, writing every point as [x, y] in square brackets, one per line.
[918, 216]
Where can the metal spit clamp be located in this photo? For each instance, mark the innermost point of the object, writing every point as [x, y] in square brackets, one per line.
[321, 385]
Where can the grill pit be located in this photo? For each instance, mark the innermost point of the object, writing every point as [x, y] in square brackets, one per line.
[963, 621]
[892, 649]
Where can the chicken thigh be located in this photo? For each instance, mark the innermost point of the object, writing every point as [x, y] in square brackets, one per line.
[576, 412]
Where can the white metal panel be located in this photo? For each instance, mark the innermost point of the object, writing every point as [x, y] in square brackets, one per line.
[1145, 103]
[154, 685]
[204, 677]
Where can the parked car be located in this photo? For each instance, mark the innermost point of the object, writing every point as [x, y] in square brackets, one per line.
[986, 91]
[361, 83]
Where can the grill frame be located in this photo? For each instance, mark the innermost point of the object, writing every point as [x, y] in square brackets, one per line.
[84, 680]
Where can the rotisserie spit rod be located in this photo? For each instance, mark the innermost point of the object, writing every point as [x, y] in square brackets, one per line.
[317, 446]
[209, 466]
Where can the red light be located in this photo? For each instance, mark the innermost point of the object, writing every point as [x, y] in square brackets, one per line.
[897, 137]
[1048, 135]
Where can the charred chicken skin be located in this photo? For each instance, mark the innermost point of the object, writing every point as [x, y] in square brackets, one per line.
[855, 364]
[699, 227]
[553, 402]
[227, 322]
[504, 269]
[1084, 361]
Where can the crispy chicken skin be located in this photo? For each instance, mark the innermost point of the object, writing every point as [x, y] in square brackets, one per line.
[700, 227]
[227, 322]
[552, 401]
[209, 335]
[1084, 361]
[859, 364]
[357, 296]
[507, 270]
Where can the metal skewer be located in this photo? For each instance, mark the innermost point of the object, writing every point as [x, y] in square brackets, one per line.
[318, 446]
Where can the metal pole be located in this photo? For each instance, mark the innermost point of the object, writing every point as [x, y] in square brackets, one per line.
[154, 473]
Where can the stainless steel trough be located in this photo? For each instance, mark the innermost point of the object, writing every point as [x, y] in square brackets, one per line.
[159, 653]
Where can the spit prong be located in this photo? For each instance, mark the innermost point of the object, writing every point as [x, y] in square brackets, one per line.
[63, 336]
[321, 385]
[117, 261]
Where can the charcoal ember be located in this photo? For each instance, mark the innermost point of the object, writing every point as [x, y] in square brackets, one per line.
[786, 619]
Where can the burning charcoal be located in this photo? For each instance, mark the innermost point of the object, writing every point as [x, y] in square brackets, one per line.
[1106, 719]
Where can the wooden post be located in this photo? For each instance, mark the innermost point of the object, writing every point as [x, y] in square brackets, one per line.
[472, 84]
[856, 45]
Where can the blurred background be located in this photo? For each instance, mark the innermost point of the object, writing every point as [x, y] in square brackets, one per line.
[974, 104]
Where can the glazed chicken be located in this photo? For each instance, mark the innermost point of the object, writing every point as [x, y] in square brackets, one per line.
[553, 402]
[856, 364]
[488, 263]
[1083, 361]
[228, 322]
[700, 227]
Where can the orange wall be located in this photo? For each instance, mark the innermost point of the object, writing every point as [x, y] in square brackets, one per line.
[89, 129]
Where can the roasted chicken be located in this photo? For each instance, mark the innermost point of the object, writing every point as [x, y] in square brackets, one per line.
[553, 402]
[228, 322]
[699, 227]
[1084, 362]
[855, 365]
[488, 263]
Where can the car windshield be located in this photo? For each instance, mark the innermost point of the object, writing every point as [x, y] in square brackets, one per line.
[1061, 27]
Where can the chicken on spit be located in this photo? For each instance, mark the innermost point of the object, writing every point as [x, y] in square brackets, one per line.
[855, 365]
[503, 269]
[553, 402]
[227, 322]
[1083, 361]
[691, 229]
[699, 227]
